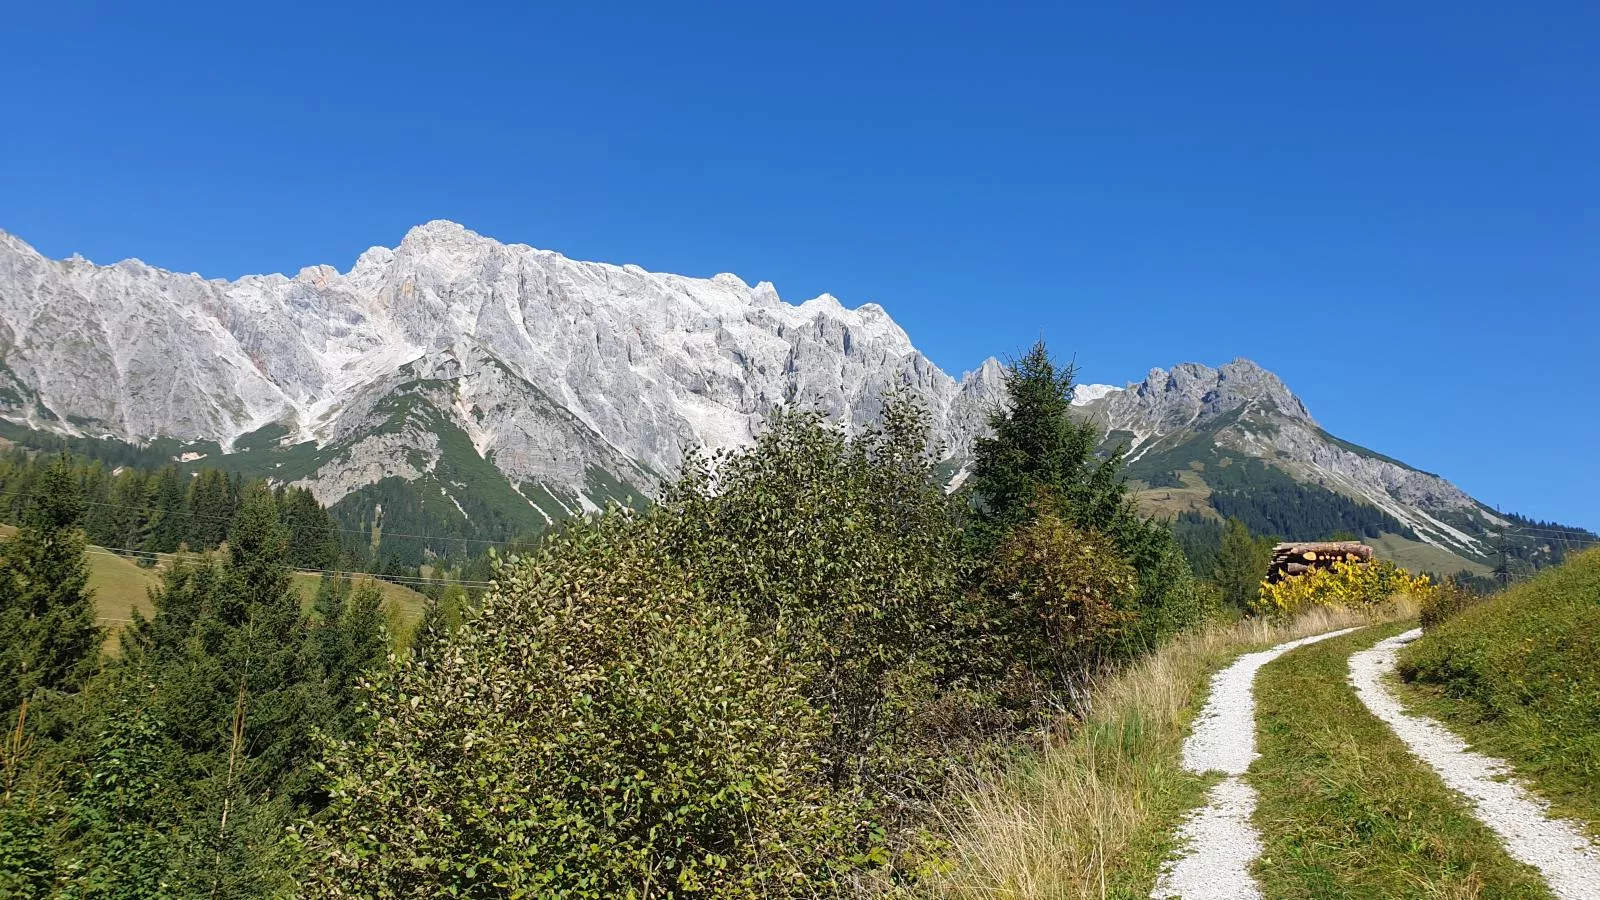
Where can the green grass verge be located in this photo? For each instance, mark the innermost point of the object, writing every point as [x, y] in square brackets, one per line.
[1346, 810]
[1092, 813]
[1518, 676]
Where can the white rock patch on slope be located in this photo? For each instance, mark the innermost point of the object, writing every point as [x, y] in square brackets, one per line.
[1219, 839]
[1569, 861]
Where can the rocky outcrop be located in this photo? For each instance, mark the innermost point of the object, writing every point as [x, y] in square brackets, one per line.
[551, 365]
[1245, 409]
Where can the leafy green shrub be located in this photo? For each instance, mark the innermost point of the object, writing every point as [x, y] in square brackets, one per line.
[1067, 596]
[846, 552]
[1445, 603]
[600, 729]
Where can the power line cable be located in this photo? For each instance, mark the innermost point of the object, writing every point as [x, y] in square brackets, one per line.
[408, 580]
[356, 531]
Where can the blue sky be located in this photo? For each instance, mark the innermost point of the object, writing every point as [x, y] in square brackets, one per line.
[1396, 210]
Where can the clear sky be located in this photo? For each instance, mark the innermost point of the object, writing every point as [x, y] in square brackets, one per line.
[1397, 210]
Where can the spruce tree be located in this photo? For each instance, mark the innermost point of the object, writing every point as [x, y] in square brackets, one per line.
[167, 525]
[1041, 457]
[211, 507]
[48, 636]
[1038, 448]
[99, 516]
[130, 503]
[313, 537]
[1242, 562]
[236, 682]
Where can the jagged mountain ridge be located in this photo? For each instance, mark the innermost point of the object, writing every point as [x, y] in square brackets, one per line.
[509, 387]
[560, 371]
[1183, 429]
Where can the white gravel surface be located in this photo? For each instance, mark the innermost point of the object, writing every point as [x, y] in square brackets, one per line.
[1558, 848]
[1220, 843]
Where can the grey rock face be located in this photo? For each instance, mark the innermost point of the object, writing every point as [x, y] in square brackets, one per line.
[1246, 409]
[551, 365]
[555, 369]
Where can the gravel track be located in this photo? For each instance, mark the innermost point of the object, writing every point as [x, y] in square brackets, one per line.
[1220, 843]
[1568, 860]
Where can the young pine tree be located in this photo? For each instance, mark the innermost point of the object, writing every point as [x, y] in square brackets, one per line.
[48, 637]
[1041, 457]
[1242, 562]
[1038, 446]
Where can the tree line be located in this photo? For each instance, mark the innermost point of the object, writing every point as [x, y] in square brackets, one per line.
[166, 510]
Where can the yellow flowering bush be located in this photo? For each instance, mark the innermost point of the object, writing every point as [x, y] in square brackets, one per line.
[1350, 585]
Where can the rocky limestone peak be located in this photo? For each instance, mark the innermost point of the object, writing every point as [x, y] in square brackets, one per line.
[645, 363]
[438, 231]
[1191, 393]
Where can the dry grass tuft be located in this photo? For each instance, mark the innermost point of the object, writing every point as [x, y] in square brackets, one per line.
[1090, 813]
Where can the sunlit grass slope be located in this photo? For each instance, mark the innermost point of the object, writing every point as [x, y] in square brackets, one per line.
[1518, 676]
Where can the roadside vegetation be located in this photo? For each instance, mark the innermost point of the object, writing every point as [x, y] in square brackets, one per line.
[764, 685]
[1346, 810]
[761, 686]
[1091, 810]
[1518, 676]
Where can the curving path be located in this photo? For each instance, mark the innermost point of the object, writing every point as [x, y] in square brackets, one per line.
[1568, 860]
[1220, 841]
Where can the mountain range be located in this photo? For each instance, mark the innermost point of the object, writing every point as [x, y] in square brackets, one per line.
[457, 389]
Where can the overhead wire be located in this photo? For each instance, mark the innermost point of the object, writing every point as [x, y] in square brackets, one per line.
[124, 553]
[356, 531]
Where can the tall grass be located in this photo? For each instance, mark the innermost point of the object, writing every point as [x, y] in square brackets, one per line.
[1090, 813]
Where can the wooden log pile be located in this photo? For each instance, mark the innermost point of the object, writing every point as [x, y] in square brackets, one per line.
[1298, 558]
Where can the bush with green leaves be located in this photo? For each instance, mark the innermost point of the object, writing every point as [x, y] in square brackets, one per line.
[1069, 597]
[600, 728]
[846, 552]
[1448, 601]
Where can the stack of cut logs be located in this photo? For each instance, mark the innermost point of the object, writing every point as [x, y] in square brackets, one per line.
[1299, 558]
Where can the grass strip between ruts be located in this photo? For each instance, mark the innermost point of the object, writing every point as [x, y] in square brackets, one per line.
[1346, 810]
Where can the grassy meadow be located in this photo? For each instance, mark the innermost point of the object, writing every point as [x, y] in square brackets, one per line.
[1518, 676]
[122, 586]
